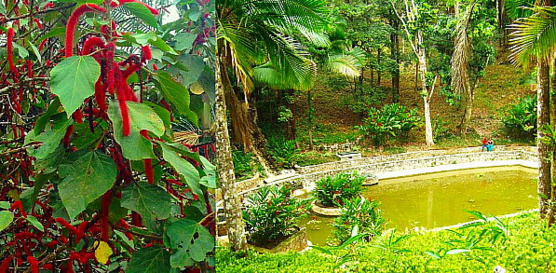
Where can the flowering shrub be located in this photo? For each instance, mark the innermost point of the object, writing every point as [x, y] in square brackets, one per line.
[359, 212]
[331, 191]
[271, 215]
[521, 118]
[390, 121]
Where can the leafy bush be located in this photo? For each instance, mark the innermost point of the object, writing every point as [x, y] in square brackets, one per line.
[359, 212]
[243, 164]
[283, 152]
[390, 121]
[271, 215]
[331, 191]
[521, 118]
[367, 98]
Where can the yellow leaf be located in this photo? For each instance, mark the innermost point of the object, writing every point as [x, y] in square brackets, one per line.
[103, 252]
[196, 88]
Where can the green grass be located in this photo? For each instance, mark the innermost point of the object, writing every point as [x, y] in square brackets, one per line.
[528, 248]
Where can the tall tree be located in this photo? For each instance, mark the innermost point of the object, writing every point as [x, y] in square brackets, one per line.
[257, 34]
[535, 38]
[413, 16]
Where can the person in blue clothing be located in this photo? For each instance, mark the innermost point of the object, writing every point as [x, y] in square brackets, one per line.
[490, 144]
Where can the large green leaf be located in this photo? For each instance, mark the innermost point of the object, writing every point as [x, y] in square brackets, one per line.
[142, 13]
[148, 200]
[73, 80]
[209, 179]
[144, 117]
[50, 139]
[184, 40]
[175, 93]
[194, 65]
[86, 177]
[6, 218]
[191, 240]
[134, 146]
[152, 259]
[184, 168]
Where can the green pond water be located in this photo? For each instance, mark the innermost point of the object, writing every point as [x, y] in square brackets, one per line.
[439, 199]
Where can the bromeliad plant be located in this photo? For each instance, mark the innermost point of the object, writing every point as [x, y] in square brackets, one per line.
[271, 214]
[362, 213]
[333, 191]
[97, 182]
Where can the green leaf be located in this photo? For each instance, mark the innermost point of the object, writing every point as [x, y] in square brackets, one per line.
[209, 180]
[142, 13]
[54, 32]
[148, 200]
[152, 259]
[73, 80]
[87, 176]
[184, 168]
[4, 205]
[35, 51]
[50, 139]
[43, 120]
[176, 94]
[192, 241]
[195, 67]
[161, 44]
[184, 40]
[163, 114]
[31, 219]
[134, 146]
[21, 51]
[144, 117]
[6, 218]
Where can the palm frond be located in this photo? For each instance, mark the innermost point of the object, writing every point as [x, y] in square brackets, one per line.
[534, 36]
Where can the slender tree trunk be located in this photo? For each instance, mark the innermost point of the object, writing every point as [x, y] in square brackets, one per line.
[543, 118]
[311, 117]
[395, 54]
[416, 88]
[378, 73]
[427, 95]
[225, 165]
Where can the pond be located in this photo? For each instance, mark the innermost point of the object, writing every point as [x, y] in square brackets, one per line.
[439, 199]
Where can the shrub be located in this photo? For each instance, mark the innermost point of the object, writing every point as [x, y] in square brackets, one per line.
[283, 152]
[358, 212]
[243, 164]
[331, 191]
[271, 215]
[521, 118]
[390, 121]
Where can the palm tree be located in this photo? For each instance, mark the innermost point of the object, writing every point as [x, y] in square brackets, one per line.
[534, 39]
[256, 34]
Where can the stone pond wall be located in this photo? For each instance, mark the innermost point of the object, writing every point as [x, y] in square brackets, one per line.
[305, 177]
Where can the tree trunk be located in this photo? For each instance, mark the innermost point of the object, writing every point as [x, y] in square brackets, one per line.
[543, 118]
[395, 54]
[427, 95]
[378, 69]
[225, 165]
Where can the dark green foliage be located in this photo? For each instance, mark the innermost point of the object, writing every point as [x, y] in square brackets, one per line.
[390, 121]
[521, 118]
[359, 212]
[271, 214]
[243, 167]
[284, 152]
[368, 97]
[331, 191]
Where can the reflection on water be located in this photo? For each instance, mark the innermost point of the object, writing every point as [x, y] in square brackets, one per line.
[439, 199]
